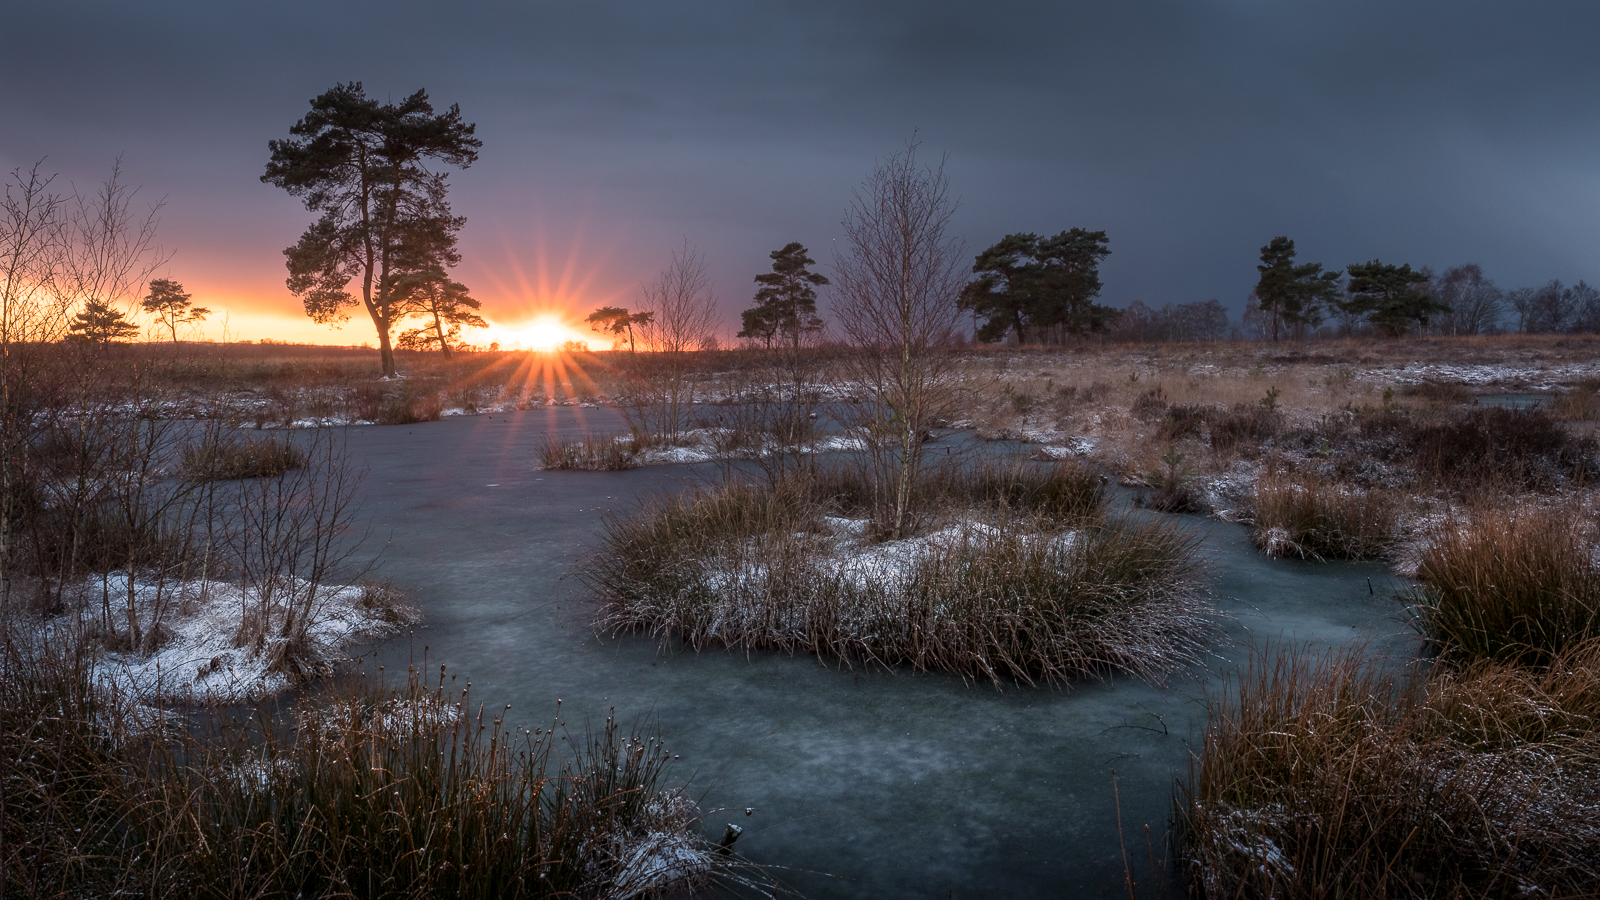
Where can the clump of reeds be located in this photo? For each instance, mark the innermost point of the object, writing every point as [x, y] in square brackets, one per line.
[227, 460]
[1330, 777]
[1305, 516]
[1512, 584]
[407, 406]
[366, 793]
[605, 454]
[1581, 404]
[1010, 598]
[1059, 493]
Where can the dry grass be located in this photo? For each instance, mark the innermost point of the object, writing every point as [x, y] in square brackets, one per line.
[1512, 584]
[603, 454]
[1330, 777]
[362, 793]
[1305, 516]
[1006, 599]
[226, 460]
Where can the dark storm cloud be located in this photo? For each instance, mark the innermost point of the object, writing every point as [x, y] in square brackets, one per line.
[1433, 133]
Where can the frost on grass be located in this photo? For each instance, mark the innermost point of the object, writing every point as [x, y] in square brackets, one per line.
[660, 852]
[698, 445]
[1337, 776]
[226, 643]
[991, 601]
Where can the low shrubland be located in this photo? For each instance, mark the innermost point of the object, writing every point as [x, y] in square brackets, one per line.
[1512, 584]
[359, 791]
[1334, 777]
[1303, 515]
[1527, 446]
[1029, 584]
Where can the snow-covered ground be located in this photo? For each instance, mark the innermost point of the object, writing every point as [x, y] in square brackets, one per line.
[210, 643]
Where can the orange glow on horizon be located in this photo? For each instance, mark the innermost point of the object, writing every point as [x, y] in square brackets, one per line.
[546, 332]
[535, 292]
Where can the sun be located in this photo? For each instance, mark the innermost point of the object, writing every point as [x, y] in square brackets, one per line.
[544, 334]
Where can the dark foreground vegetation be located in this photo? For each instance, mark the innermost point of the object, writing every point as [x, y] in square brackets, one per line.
[353, 791]
[1474, 775]
[138, 519]
[1332, 777]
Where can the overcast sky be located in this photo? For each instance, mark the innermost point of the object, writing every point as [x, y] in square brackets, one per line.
[1192, 131]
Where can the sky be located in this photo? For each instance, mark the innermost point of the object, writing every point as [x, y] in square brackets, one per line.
[1191, 131]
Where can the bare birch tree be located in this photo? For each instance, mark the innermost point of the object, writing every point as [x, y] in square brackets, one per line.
[680, 314]
[684, 311]
[897, 285]
[111, 250]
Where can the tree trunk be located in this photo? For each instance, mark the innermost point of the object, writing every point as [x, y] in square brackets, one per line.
[438, 329]
[385, 351]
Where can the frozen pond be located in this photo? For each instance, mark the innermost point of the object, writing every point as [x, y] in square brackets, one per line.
[864, 784]
[1513, 401]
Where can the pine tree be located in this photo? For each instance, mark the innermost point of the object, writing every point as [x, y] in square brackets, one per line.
[1391, 297]
[169, 302]
[617, 321]
[100, 323]
[365, 167]
[1033, 286]
[1293, 295]
[445, 307]
[786, 304]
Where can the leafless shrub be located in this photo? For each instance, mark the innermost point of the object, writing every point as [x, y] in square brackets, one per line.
[285, 540]
[683, 315]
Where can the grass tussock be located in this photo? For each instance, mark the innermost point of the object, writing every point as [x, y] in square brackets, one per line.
[229, 460]
[1058, 495]
[1581, 404]
[1329, 777]
[1517, 584]
[1008, 598]
[1305, 516]
[366, 793]
[604, 454]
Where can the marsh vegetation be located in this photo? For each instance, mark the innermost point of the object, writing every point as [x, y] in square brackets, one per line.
[1015, 572]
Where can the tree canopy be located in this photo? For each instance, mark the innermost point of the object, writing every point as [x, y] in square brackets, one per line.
[786, 303]
[364, 166]
[617, 321]
[1293, 295]
[1038, 288]
[100, 323]
[445, 307]
[172, 305]
[1393, 298]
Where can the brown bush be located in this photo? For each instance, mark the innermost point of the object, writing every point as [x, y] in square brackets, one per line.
[1525, 445]
[1245, 427]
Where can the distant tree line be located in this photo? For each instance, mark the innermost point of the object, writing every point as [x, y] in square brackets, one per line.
[1204, 321]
